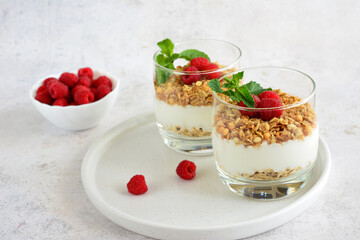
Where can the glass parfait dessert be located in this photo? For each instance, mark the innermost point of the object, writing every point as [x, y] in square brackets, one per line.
[183, 100]
[265, 140]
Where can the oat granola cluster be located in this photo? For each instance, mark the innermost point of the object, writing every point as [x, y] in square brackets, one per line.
[295, 123]
[174, 91]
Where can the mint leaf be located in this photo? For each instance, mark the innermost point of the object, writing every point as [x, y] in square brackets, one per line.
[215, 85]
[166, 46]
[166, 59]
[236, 77]
[161, 76]
[236, 92]
[246, 95]
[255, 88]
[190, 54]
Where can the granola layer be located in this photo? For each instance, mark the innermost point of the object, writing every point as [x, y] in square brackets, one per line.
[294, 124]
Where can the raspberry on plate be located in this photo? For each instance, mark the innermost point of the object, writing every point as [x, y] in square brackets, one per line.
[269, 94]
[44, 97]
[137, 185]
[250, 113]
[186, 170]
[199, 63]
[60, 102]
[190, 79]
[68, 79]
[209, 67]
[85, 72]
[267, 115]
[58, 90]
[83, 97]
[102, 91]
[102, 80]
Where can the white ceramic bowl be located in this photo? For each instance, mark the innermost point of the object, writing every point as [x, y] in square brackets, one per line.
[79, 117]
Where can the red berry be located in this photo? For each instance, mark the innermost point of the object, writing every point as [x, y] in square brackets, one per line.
[102, 91]
[267, 115]
[85, 72]
[186, 170]
[78, 87]
[102, 80]
[250, 113]
[199, 62]
[137, 185]
[58, 90]
[60, 102]
[41, 88]
[72, 104]
[50, 82]
[68, 79]
[46, 81]
[190, 79]
[44, 97]
[83, 97]
[93, 90]
[85, 81]
[269, 94]
[209, 67]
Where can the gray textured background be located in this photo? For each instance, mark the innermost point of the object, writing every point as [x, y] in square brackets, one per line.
[41, 194]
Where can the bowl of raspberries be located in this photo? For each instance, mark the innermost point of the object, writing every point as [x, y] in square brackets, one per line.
[75, 101]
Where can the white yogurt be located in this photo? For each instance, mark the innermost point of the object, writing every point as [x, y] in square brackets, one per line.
[184, 117]
[237, 159]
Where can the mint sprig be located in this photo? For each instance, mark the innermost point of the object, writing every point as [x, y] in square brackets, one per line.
[167, 58]
[236, 92]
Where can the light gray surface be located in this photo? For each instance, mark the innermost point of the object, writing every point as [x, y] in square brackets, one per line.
[41, 194]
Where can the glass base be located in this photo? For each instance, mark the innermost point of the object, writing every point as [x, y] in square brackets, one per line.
[195, 146]
[266, 190]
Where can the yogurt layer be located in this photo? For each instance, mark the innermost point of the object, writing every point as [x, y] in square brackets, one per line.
[185, 117]
[237, 159]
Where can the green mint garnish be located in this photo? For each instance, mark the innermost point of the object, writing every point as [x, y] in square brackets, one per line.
[236, 92]
[190, 54]
[167, 58]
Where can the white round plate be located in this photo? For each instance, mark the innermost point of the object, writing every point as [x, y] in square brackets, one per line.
[202, 208]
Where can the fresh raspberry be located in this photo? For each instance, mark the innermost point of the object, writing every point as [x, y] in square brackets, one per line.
[190, 79]
[58, 90]
[68, 79]
[93, 90]
[102, 80]
[137, 185]
[102, 91]
[78, 87]
[72, 104]
[83, 97]
[250, 113]
[85, 72]
[60, 102]
[267, 115]
[269, 94]
[44, 97]
[50, 82]
[46, 81]
[186, 170]
[199, 62]
[209, 67]
[85, 81]
[41, 88]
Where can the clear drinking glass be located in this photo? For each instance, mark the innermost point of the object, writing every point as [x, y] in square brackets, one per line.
[267, 159]
[183, 111]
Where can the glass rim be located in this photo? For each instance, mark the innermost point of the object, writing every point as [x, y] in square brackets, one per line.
[304, 100]
[197, 72]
